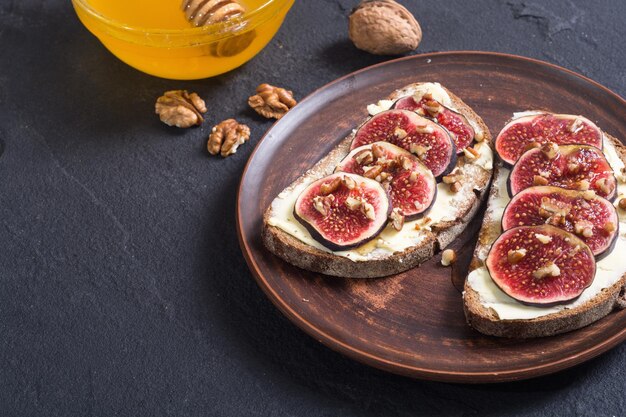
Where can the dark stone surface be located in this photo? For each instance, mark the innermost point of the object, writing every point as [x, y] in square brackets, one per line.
[122, 287]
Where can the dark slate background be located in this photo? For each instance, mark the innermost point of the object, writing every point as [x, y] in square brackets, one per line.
[122, 287]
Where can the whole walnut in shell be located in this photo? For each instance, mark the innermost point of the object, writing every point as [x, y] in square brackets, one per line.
[384, 27]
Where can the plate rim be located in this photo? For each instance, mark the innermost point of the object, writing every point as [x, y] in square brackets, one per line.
[396, 367]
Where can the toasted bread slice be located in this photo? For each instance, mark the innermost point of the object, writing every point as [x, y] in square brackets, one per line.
[378, 259]
[482, 299]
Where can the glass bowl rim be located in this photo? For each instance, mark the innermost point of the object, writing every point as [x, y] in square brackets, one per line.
[215, 31]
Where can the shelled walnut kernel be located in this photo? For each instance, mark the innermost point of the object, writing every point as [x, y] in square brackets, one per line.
[272, 102]
[448, 257]
[180, 108]
[226, 137]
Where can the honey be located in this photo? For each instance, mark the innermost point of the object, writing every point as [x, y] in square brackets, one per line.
[155, 37]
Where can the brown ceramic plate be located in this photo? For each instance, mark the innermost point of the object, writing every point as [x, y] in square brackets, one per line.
[413, 323]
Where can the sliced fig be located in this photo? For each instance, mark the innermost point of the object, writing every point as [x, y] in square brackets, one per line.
[592, 218]
[457, 124]
[343, 210]
[411, 185]
[541, 265]
[406, 103]
[529, 131]
[575, 167]
[431, 142]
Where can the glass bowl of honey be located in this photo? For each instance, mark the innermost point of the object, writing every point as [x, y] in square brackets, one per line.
[162, 38]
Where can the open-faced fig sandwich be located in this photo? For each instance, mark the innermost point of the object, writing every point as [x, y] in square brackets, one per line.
[397, 190]
[550, 254]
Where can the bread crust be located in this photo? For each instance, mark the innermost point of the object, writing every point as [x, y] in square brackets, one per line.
[486, 320]
[307, 257]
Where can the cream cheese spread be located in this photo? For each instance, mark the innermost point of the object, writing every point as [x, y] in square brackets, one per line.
[608, 270]
[381, 106]
[418, 91]
[446, 207]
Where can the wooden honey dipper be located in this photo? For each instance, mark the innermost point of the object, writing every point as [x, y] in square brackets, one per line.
[207, 12]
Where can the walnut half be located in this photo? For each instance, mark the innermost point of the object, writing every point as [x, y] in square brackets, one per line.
[181, 109]
[271, 102]
[226, 137]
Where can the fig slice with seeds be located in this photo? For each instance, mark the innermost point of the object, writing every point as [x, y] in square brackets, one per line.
[411, 185]
[430, 142]
[457, 124]
[575, 167]
[347, 213]
[562, 129]
[592, 218]
[543, 274]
